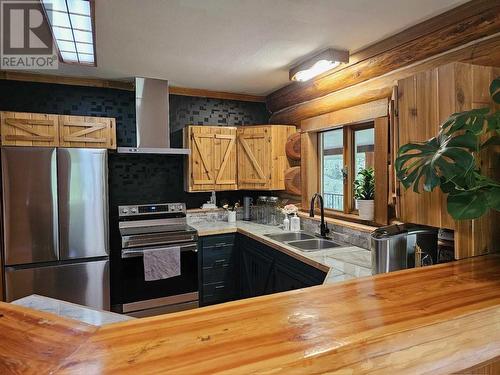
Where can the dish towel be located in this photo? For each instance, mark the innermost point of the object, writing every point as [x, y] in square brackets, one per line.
[162, 263]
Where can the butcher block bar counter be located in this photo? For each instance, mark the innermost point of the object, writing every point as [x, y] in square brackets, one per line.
[435, 320]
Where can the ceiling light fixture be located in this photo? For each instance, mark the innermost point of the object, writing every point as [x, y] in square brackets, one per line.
[318, 64]
[72, 25]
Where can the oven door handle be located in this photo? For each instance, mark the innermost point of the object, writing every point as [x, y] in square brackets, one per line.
[129, 253]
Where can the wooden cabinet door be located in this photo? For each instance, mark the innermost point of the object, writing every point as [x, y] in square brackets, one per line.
[254, 158]
[212, 163]
[426, 100]
[419, 102]
[29, 129]
[201, 174]
[87, 132]
[286, 279]
[256, 270]
[479, 236]
[224, 154]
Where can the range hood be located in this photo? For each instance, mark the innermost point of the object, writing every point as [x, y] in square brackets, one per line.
[152, 123]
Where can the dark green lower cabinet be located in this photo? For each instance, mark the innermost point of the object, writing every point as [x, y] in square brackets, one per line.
[291, 273]
[235, 266]
[256, 268]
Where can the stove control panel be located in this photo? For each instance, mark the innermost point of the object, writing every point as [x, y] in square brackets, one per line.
[148, 209]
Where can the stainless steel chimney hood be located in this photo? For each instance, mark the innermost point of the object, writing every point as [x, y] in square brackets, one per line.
[152, 123]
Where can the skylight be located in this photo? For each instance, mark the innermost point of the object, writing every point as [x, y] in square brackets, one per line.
[72, 25]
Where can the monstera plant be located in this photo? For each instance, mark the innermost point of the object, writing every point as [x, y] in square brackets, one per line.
[450, 161]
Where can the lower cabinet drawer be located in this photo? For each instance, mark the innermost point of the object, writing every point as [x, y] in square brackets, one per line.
[218, 256]
[222, 273]
[218, 292]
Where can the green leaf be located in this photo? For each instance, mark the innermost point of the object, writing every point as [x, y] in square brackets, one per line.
[462, 159]
[467, 205]
[476, 125]
[364, 185]
[493, 198]
[495, 90]
[431, 180]
[493, 122]
[467, 140]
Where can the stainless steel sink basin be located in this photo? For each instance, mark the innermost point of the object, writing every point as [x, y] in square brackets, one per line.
[290, 236]
[314, 244]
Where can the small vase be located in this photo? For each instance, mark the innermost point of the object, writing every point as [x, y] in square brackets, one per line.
[231, 216]
[365, 209]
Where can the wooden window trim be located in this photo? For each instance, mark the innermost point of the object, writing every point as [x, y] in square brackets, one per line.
[348, 163]
[346, 117]
[371, 114]
[351, 207]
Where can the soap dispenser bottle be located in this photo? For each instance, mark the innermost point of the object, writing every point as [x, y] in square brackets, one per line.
[286, 223]
[295, 223]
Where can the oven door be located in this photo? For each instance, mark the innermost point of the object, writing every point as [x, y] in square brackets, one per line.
[139, 294]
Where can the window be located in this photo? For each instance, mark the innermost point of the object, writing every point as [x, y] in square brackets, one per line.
[332, 181]
[343, 153]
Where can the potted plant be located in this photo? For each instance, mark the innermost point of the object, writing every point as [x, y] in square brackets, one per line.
[364, 193]
[450, 161]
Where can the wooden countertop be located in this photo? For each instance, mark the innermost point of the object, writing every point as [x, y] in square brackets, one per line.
[434, 320]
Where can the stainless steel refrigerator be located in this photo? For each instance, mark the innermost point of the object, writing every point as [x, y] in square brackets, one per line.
[55, 224]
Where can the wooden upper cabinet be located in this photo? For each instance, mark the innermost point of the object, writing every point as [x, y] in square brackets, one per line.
[262, 160]
[39, 129]
[230, 158]
[425, 101]
[29, 129]
[421, 101]
[212, 163]
[254, 157]
[87, 132]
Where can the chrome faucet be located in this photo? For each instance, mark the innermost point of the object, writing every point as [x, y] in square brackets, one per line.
[323, 227]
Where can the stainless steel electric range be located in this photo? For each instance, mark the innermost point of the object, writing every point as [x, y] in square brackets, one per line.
[155, 226]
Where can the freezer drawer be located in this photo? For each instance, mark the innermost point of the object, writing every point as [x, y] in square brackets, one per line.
[30, 204]
[85, 283]
[83, 203]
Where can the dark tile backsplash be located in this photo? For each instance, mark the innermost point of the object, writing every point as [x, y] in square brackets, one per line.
[205, 111]
[73, 100]
[135, 178]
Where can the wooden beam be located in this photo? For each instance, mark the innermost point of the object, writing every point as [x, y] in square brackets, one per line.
[471, 21]
[216, 94]
[381, 87]
[76, 81]
[352, 115]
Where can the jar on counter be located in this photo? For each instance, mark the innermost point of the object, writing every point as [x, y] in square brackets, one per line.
[272, 211]
[260, 209]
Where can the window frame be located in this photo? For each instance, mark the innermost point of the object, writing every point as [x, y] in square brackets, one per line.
[348, 131]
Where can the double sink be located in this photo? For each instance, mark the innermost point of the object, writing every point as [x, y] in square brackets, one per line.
[303, 241]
